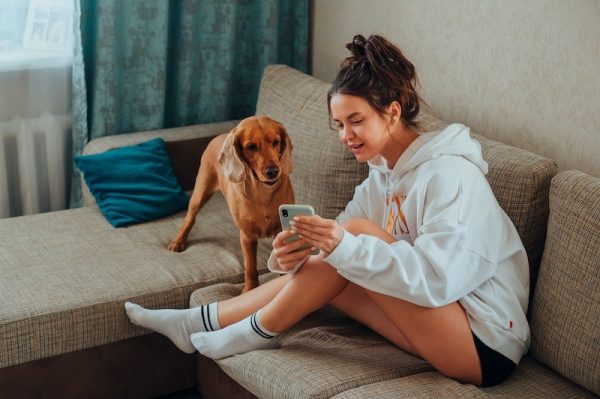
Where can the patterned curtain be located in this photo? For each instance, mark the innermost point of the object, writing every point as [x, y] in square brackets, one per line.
[151, 64]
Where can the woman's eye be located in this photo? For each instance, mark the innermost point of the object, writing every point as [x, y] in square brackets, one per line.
[252, 147]
[356, 122]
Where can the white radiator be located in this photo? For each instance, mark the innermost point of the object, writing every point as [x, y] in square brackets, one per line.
[35, 164]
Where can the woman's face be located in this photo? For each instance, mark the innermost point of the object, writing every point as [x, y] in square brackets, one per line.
[360, 127]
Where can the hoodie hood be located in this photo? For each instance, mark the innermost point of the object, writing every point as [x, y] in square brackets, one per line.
[454, 140]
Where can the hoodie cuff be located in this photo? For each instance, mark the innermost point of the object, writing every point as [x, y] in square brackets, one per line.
[273, 265]
[343, 252]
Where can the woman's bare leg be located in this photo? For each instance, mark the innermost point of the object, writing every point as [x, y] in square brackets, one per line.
[309, 289]
[355, 303]
[238, 308]
[442, 335]
[314, 285]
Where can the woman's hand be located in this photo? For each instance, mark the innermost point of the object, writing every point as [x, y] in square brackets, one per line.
[321, 233]
[288, 255]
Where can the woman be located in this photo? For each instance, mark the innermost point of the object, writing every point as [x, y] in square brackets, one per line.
[423, 254]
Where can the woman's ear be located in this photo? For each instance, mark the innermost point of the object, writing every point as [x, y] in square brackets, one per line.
[394, 112]
[286, 151]
[230, 159]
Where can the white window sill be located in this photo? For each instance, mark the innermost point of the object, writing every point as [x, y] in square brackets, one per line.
[21, 59]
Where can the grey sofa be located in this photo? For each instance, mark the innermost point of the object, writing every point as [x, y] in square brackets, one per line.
[64, 277]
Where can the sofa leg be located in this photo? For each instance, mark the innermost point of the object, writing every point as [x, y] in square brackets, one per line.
[214, 383]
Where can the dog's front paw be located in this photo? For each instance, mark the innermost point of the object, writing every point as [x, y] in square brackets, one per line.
[176, 246]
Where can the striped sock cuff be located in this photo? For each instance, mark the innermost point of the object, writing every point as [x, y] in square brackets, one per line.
[213, 316]
[204, 318]
[259, 329]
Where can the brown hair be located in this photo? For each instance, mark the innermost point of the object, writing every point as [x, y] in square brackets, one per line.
[378, 72]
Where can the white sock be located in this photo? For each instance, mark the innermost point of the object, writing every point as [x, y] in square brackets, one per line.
[241, 337]
[176, 324]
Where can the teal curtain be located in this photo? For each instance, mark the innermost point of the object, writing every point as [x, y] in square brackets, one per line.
[151, 64]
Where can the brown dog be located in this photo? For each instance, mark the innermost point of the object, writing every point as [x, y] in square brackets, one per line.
[251, 166]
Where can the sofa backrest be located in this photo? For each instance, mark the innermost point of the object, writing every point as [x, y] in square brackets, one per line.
[325, 173]
[565, 316]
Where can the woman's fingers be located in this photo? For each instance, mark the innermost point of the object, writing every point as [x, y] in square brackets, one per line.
[289, 254]
[280, 239]
[324, 234]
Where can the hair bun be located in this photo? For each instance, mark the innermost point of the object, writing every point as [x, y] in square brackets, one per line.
[357, 47]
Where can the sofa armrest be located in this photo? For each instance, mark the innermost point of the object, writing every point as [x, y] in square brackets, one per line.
[184, 144]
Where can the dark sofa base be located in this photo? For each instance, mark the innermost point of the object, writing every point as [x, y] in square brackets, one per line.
[214, 383]
[141, 367]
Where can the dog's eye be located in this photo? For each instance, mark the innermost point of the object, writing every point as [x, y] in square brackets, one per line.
[252, 147]
[275, 143]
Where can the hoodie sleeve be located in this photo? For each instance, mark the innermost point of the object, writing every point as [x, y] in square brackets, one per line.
[273, 265]
[438, 269]
[356, 208]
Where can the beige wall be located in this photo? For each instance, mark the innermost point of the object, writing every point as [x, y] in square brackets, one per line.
[526, 73]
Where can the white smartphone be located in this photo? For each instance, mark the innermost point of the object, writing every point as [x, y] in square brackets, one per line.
[287, 213]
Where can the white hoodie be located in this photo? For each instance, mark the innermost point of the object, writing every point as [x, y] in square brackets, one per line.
[455, 243]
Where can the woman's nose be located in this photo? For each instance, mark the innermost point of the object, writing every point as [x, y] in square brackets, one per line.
[346, 133]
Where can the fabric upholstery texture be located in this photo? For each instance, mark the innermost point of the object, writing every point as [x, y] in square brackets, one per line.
[565, 320]
[133, 184]
[323, 355]
[78, 281]
[423, 385]
[531, 380]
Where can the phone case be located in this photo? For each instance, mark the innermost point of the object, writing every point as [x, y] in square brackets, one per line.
[287, 213]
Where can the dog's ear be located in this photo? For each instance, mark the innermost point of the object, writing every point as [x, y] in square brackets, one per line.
[286, 150]
[230, 157]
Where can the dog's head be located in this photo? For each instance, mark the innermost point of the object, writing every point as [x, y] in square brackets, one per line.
[258, 146]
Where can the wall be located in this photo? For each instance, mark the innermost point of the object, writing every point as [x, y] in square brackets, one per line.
[526, 73]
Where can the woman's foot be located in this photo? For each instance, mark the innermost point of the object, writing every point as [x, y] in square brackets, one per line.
[175, 324]
[241, 337]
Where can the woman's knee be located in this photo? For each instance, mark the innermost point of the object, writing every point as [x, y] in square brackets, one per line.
[316, 264]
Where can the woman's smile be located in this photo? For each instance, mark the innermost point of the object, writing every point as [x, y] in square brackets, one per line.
[356, 147]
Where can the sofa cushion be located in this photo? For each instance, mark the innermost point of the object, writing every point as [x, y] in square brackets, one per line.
[530, 380]
[80, 271]
[133, 184]
[325, 354]
[325, 173]
[423, 385]
[565, 320]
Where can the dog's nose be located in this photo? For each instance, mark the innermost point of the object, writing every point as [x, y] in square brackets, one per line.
[271, 171]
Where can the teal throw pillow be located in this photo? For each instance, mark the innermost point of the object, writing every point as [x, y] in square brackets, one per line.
[133, 184]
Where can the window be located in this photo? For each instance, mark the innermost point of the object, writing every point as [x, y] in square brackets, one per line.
[35, 33]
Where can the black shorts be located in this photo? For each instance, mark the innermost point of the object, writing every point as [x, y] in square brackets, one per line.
[495, 367]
